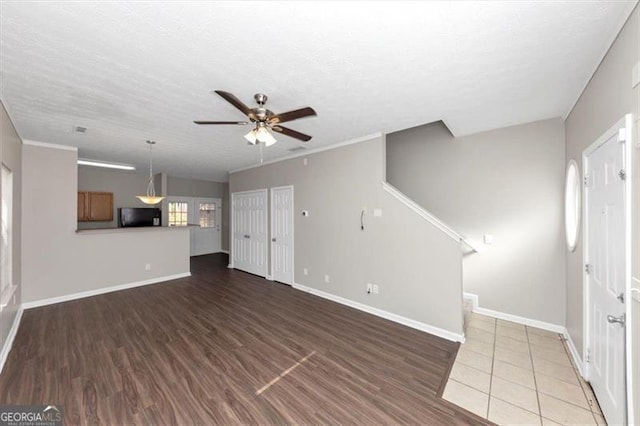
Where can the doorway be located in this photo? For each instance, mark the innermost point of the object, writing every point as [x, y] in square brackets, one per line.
[203, 216]
[607, 247]
[282, 234]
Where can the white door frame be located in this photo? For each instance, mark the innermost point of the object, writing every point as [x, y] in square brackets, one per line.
[293, 263]
[626, 135]
[233, 225]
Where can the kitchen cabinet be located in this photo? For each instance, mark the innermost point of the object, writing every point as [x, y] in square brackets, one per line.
[95, 206]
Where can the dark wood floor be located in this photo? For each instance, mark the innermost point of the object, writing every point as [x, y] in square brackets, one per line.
[226, 347]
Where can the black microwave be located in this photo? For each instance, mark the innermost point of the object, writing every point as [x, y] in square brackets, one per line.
[137, 216]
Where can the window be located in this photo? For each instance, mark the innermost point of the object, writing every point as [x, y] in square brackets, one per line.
[572, 205]
[6, 230]
[207, 215]
[178, 213]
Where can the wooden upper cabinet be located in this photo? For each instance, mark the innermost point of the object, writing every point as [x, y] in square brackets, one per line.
[95, 206]
[83, 200]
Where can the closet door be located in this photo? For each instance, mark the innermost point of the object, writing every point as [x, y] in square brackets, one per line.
[249, 213]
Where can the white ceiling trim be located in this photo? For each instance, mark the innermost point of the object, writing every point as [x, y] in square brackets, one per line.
[311, 151]
[49, 145]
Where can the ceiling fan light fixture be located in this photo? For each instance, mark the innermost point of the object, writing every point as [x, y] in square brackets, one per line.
[150, 197]
[260, 134]
[265, 120]
[263, 135]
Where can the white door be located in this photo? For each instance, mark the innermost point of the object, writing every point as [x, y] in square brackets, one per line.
[605, 257]
[249, 230]
[282, 234]
[203, 216]
[206, 235]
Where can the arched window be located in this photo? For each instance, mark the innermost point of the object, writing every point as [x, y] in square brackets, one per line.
[572, 205]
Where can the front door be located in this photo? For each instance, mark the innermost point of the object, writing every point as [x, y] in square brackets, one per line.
[206, 235]
[282, 234]
[203, 216]
[606, 272]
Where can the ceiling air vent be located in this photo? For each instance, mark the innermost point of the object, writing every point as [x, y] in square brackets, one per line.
[297, 148]
[79, 129]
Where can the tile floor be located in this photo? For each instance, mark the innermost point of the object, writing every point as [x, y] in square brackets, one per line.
[515, 374]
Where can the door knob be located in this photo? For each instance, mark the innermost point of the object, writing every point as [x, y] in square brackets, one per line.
[273, 240]
[620, 320]
[247, 236]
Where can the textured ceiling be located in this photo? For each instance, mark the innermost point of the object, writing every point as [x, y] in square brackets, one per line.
[144, 70]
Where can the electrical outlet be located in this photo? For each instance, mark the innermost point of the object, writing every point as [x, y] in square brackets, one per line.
[369, 288]
[327, 279]
[305, 271]
[147, 267]
[377, 212]
[375, 289]
[305, 162]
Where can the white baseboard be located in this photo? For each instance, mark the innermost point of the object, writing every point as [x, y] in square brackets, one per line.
[521, 320]
[383, 314]
[67, 297]
[575, 354]
[473, 298]
[6, 348]
[513, 318]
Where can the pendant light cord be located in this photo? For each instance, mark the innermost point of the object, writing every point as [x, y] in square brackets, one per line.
[151, 190]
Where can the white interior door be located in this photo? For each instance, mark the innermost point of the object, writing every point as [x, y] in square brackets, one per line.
[206, 236]
[282, 234]
[203, 216]
[606, 282]
[249, 230]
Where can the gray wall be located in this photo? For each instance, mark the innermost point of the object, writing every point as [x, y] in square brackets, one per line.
[204, 188]
[417, 267]
[508, 183]
[11, 156]
[58, 261]
[605, 100]
[124, 184]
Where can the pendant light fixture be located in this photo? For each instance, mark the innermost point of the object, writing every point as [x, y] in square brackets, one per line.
[150, 198]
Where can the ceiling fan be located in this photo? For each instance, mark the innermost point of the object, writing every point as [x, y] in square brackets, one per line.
[264, 119]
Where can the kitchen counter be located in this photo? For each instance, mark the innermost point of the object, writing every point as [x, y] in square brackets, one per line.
[131, 229]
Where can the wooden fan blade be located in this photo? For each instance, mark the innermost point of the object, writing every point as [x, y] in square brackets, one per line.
[292, 133]
[292, 115]
[221, 122]
[234, 101]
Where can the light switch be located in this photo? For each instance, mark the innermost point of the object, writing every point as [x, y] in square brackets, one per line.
[377, 212]
[488, 239]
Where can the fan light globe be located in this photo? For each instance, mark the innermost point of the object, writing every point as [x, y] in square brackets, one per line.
[263, 135]
[251, 137]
